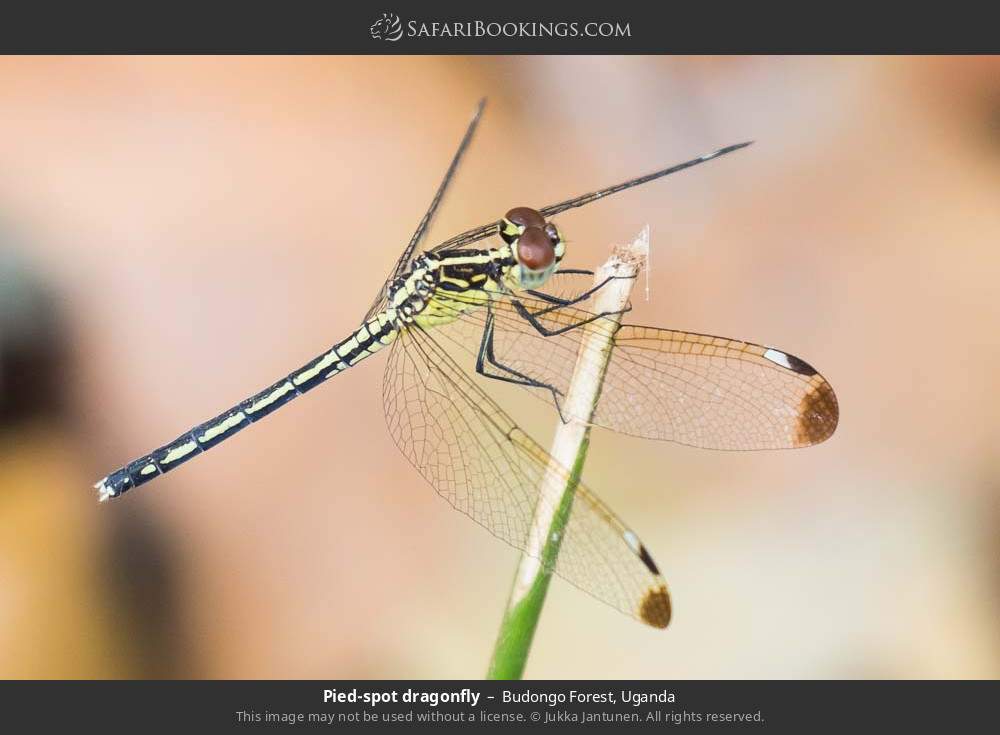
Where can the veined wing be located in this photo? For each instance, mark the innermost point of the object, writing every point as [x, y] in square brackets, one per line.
[403, 263]
[485, 466]
[483, 231]
[694, 389]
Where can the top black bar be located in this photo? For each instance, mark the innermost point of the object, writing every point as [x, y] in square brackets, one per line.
[394, 27]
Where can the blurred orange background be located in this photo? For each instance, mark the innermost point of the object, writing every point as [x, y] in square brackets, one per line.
[194, 228]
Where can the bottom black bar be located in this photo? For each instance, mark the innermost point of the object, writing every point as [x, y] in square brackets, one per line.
[240, 706]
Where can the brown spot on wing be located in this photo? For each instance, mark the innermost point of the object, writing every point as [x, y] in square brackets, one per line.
[655, 608]
[818, 414]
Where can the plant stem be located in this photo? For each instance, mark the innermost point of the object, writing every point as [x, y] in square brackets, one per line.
[569, 450]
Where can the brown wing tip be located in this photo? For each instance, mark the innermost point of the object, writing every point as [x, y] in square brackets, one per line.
[655, 609]
[819, 413]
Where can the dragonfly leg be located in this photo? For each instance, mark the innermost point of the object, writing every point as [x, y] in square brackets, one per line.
[487, 355]
[532, 316]
[560, 301]
[549, 298]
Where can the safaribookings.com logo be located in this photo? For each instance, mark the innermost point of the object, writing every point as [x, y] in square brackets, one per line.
[387, 28]
[390, 28]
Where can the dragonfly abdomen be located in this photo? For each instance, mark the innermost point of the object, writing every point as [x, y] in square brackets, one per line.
[363, 342]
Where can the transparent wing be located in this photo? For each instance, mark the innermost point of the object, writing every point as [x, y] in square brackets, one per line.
[468, 237]
[478, 459]
[403, 262]
[481, 232]
[694, 389]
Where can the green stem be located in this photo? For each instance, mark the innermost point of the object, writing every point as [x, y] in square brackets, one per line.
[517, 630]
[531, 583]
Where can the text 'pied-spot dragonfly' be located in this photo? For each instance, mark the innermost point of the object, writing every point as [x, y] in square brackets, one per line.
[694, 389]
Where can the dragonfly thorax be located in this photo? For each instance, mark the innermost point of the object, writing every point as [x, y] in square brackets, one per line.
[441, 285]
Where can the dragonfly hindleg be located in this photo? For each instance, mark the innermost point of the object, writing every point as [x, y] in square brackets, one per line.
[486, 355]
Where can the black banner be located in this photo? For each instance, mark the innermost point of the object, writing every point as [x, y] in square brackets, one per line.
[231, 706]
[451, 27]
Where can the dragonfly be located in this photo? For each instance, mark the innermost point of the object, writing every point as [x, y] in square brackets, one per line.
[512, 307]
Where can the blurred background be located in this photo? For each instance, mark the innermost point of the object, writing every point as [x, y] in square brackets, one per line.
[178, 232]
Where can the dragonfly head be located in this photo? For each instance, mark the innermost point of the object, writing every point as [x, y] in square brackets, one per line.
[536, 245]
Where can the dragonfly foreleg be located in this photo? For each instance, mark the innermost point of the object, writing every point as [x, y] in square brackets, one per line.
[559, 301]
[532, 316]
[551, 299]
[486, 355]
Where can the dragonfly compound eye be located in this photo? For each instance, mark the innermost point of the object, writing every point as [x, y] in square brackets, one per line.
[525, 217]
[535, 250]
[516, 220]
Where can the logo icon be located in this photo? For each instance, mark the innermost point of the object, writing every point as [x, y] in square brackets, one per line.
[387, 28]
